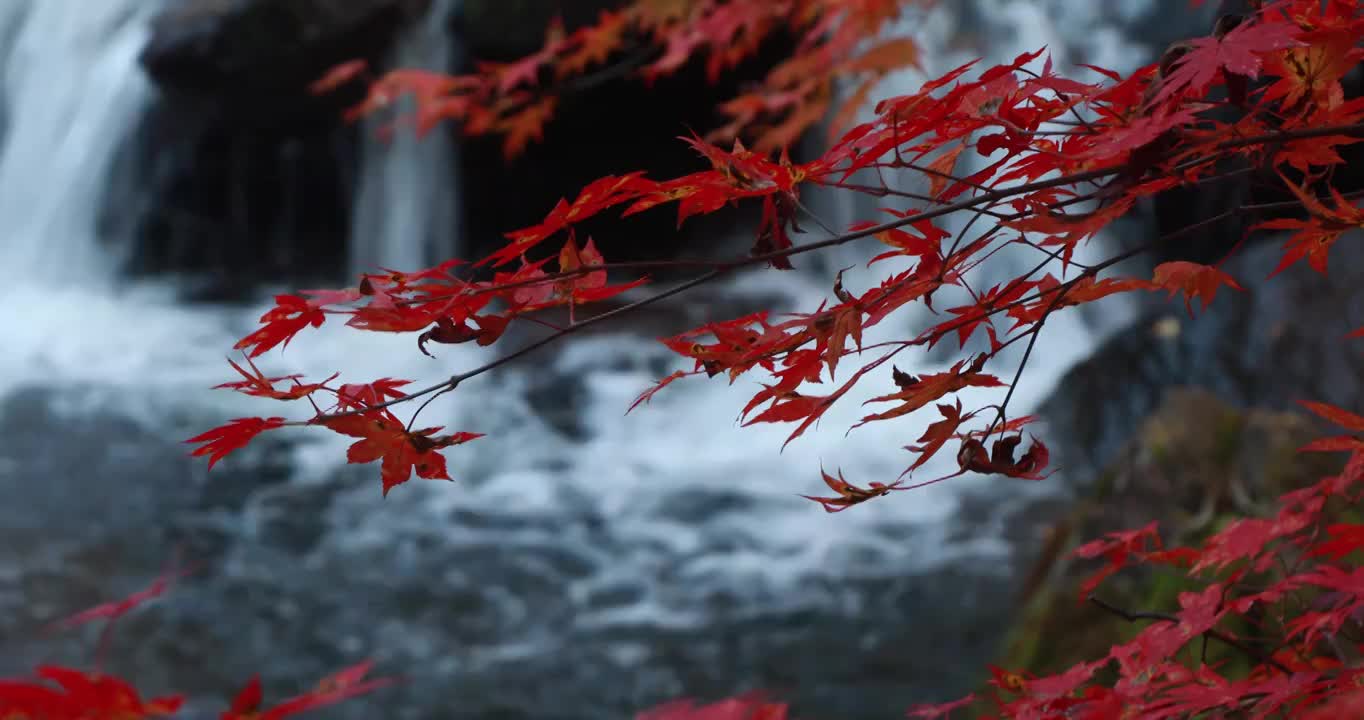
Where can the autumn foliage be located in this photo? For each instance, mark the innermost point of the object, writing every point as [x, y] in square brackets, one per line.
[1060, 156]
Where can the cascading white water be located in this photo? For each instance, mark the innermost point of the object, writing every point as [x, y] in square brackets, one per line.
[72, 90]
[406, 212]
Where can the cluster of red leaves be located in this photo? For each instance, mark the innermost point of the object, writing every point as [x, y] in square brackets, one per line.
[1046, 139]
[64, 693]
[653, 38]
[61, 693]
[1291, 583]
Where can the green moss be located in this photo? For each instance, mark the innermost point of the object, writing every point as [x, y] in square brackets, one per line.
[1160, 452]
[1105, 485]
[1226, 439]
[1191, 467]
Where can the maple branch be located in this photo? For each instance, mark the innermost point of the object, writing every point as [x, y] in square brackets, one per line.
[455, 380]
[1132, 616]
[1354, 129]
[988, 198]
[720, 268]
[886, 191]
[1035, 333]
[636, 60]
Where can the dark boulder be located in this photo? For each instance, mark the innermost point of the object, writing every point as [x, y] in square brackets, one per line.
[510, 29]
[1279, 341]
[254, 59]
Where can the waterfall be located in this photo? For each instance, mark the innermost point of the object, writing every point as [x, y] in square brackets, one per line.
[71, 91]
[405, 211]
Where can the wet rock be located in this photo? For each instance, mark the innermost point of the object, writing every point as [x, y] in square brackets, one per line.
[254, 59]
[510, 29]
[1280, 341]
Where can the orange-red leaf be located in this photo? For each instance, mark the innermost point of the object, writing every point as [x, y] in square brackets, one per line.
[848, 495]
[281, 323]
[221, 441]
[929, 388]
[383, 437]
[257, 385]
[649, 394]
[1192, 279]
[1238, 53]
[1343, 418]
[338, 76]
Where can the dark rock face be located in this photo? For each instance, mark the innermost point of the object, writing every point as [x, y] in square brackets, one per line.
[244, 176]
[1282, 340]
[253, 59]
[510, 29]
[229, 208]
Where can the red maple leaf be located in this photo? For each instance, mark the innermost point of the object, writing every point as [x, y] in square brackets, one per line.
[525, 125]
[1345, 539]
[573, 259]
[939, 710]
[338, 76]
[256, 384]
[353, 396]
[1192, 279]
[383, 437]
[1138, 133]
[931, 387]
[1199, 612]
[337, 687]
[112, 611]
[649, 394]
[235, 435]
[1116, 548]
[848, 494]
[1244, 539]
[1238, 53]
[289, 316]
[1343, 418]
[1318, 232]
[80, 695]
[740, 708]
[937, 434]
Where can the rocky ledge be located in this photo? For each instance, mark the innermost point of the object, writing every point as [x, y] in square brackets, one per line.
[255, 58]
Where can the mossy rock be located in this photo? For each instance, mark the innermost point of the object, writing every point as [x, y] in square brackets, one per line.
[1196, 465]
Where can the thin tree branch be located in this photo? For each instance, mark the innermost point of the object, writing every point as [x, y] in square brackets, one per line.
[1132, 616]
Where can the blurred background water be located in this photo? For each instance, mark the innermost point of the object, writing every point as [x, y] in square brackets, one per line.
[584, 564]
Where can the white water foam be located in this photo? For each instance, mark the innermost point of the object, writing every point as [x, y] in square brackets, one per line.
[72, 91]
